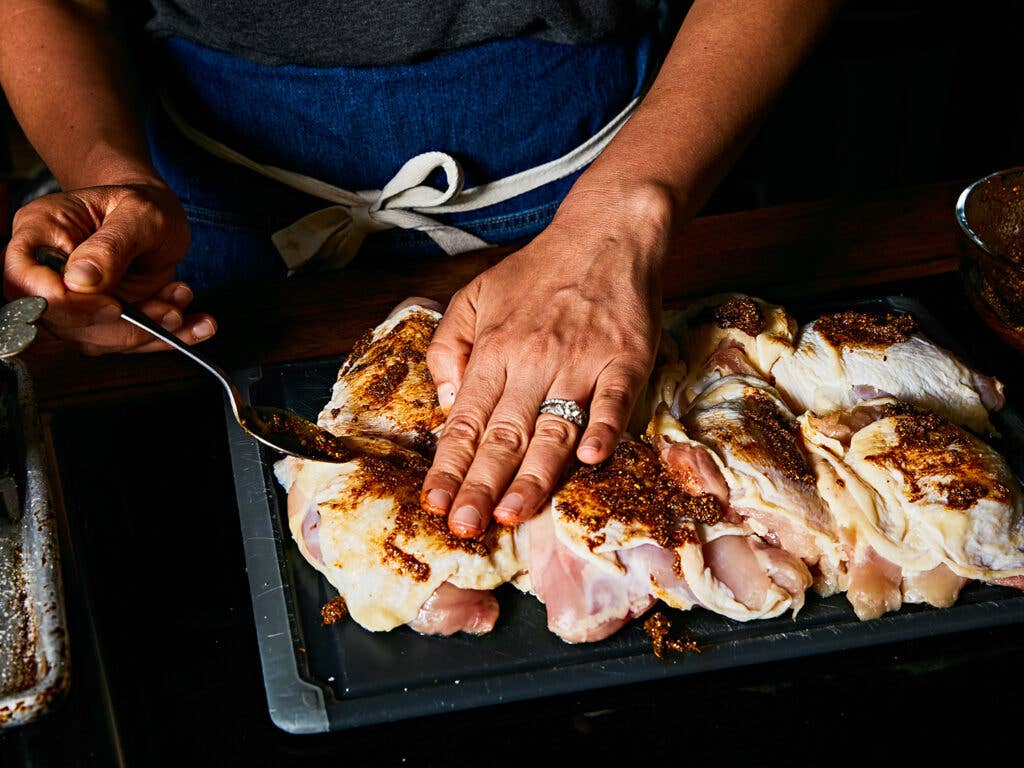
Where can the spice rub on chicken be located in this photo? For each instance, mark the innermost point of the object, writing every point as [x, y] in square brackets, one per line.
[633, 491]
[625, 533]
[360, 522]
[922, 506]
[846, 357]
[760, 469]
[384, 387]
[724, 334]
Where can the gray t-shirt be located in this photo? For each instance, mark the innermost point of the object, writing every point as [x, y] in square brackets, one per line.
[327, 33]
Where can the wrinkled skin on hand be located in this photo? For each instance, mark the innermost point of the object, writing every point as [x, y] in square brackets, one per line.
[575, 314]
[120, 239]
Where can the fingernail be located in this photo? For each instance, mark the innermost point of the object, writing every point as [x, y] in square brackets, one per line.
[202, 330]
[182, 295]
[591, 446]
[512, 503]
[446, 395]
[438, 500]
[83, 274]
[171, 321]
[467, 519]
[107, 314]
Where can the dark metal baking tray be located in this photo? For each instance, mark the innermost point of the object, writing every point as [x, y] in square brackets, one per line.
[321, 678]
[34, 662]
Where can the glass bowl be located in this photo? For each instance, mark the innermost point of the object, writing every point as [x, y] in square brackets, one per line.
[990, 215]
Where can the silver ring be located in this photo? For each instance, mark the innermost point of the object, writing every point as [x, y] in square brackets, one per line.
[567, 409]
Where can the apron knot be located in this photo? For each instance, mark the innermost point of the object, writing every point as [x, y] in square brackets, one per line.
[331, 237]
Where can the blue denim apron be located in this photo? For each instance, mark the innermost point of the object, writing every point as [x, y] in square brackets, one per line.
[499, 108]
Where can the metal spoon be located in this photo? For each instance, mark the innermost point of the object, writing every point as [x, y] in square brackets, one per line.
[278, 428]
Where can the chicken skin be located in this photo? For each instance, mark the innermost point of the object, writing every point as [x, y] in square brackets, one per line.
[846, 357]
[922, 506]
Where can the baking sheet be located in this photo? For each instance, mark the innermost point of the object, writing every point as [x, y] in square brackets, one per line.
[34, 665]
[331, 678]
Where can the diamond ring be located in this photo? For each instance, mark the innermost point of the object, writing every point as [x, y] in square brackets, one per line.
[567, 409]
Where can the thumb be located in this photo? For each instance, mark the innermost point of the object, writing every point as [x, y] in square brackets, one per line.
[449, 350]
[101, 260]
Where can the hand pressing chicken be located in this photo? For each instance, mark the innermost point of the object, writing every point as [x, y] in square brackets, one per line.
[573, 315]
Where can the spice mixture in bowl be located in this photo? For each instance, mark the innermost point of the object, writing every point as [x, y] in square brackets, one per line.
[990, 214]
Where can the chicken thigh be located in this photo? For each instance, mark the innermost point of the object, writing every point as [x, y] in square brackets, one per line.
[922, 506]
[622, 534]
[360, 523]
[846, 357]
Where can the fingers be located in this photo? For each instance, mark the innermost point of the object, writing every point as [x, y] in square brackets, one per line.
[192, 329]
[465, 431]
[108, 332]
[616, 391]
[507, 465]
[482, 452]
[449, 350]
[509, 434]
[122, 243]
[24, 276]
[97, 265]
[549, 453]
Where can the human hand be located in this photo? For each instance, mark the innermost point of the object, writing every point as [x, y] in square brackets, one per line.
[120, 239]
[576, 315]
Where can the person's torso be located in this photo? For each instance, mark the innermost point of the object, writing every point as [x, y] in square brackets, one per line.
[328, 33]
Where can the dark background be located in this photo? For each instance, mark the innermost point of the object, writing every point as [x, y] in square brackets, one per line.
[897, 94]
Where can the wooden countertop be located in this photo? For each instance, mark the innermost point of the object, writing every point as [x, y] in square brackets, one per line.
[779, 252]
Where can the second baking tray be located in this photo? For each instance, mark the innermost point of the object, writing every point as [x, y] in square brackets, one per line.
[321, 678]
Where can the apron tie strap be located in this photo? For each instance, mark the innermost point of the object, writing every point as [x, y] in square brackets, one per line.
[331, 237]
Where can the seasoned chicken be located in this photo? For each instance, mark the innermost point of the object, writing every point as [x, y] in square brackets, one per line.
[729, 503]
[622, 534]
[384, 387]
[922, 506]
[728, 333]
[846, 357]
[360, 523]
[759, 470]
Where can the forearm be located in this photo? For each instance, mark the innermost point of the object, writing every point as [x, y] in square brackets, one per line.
[729, 60]
[61, 72]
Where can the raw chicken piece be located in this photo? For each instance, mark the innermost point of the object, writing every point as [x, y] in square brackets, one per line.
[922, 505]
[384, 388]
[360, 523]
[846, 357]
[728, 333]
[760, 469]
[585, 600]
[452, 609]
[621, 534]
